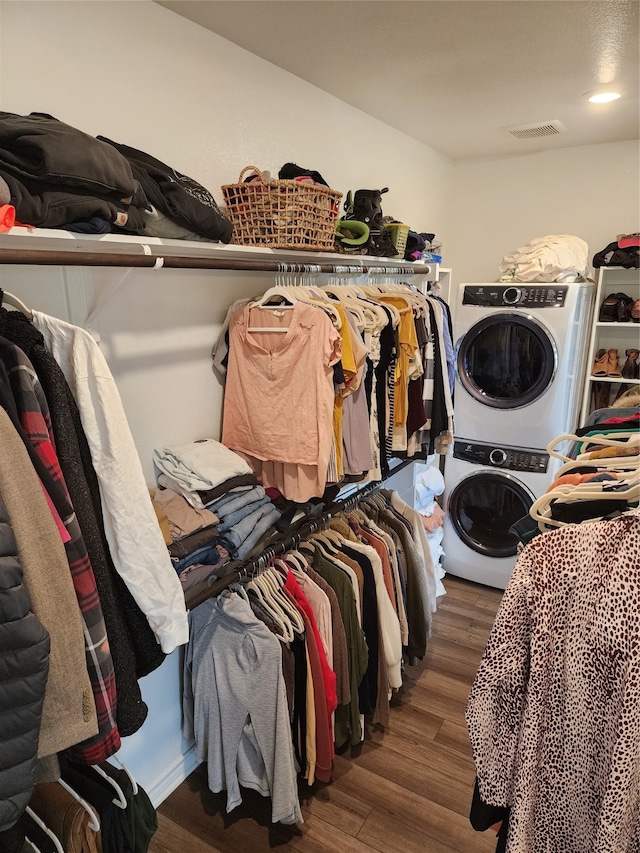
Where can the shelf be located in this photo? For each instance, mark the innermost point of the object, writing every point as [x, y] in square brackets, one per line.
[610, 335]
[614, 379]
[22, 245]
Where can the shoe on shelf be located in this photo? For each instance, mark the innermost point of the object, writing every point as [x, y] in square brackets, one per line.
[613, 366]
[635, 311]
[601, 394]
[631, 369]
[601, 364]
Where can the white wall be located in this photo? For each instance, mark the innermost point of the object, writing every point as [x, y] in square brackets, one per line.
[499, 205]
[139, 74]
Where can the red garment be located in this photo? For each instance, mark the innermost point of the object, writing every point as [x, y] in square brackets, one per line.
[328, 675]
[621, 420]
[324, 680]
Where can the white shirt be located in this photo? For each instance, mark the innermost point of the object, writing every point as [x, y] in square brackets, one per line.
[133, 533]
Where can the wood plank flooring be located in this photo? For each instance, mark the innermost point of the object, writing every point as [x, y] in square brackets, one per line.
[406, 789]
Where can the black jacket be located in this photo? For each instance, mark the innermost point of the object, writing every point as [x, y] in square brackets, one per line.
[177, 196]
[58, 174]
[24, 665]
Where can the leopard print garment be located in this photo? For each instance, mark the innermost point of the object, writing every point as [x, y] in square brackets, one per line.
[554, 712]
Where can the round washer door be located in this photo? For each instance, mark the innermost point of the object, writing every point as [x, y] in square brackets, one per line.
[482, 508]
[507, 360]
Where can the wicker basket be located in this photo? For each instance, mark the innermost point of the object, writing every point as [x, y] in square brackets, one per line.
[282, 214]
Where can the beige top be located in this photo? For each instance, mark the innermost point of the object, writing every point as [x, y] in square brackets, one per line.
[279, 394]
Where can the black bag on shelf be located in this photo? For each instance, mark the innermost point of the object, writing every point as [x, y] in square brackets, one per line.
[177, 196]
[614, 256]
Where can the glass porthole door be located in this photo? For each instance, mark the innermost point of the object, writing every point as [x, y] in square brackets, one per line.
[506, 360]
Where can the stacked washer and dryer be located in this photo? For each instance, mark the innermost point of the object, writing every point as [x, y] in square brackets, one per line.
[520, 354]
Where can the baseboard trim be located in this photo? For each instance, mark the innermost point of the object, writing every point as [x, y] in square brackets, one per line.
[166, 784]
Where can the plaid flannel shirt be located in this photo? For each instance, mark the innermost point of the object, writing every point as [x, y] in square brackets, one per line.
[22, 396]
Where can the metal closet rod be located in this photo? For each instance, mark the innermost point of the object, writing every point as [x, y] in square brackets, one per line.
[112, 259]
[238, 570]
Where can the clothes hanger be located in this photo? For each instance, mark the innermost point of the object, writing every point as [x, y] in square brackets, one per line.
[323, 540]
[598, 465]
[10, 299]
[288, 606]
[262, 593]
[95, 822]
[127, 772]
[239, 588]
[585, 441]
[48, 832]
[333, 536]
[540, 511]
[597, 442]
[121, 801]
[299, 560]
[278, 290]
[31, 844]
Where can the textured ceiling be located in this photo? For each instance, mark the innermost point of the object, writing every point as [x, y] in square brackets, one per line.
[452, 73]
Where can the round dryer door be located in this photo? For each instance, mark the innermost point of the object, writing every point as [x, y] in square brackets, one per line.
[482, 508]
[507, 360]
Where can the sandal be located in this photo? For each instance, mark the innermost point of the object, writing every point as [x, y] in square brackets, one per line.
[601, 363]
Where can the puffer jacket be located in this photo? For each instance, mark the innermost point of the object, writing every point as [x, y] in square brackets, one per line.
[24, 664]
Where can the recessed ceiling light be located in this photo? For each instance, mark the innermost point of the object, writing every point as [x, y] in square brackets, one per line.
[602, 97]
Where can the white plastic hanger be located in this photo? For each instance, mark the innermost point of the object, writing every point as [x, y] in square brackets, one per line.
[298, 560]
[95, 822]
[274, 611]
[134, 785]
[48, 832]
[121, 801]
[12, 300]
[287, 605]
[597, 439]
[541, 509]
[31, 844]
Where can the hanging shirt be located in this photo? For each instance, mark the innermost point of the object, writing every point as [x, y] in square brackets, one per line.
[236, 697]
[133, 533]
[272, 378]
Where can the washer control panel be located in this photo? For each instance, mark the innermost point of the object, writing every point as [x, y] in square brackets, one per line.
[521, 295]
[512, 458]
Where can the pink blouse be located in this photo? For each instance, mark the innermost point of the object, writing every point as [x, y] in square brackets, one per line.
[278, 409]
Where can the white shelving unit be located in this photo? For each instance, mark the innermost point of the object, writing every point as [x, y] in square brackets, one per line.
[619, 336]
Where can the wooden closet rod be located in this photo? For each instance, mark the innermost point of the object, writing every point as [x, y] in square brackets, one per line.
[238, 570]
[49, 257]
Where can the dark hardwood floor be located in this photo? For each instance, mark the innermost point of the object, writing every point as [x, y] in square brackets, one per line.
[408, 788]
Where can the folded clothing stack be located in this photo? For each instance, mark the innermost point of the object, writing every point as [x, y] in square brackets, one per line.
[215, 481]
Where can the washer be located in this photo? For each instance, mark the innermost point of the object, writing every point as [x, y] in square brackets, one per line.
[488, 487]
[520, 355]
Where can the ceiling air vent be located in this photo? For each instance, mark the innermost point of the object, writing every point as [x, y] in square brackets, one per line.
[533, 131]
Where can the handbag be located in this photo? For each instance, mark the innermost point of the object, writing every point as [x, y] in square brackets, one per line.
[615, 308]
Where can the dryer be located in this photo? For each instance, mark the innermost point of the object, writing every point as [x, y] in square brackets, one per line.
[520, 352]
[488, 487]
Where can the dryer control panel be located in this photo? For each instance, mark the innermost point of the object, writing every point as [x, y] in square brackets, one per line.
[527, 295]
[513, 458]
